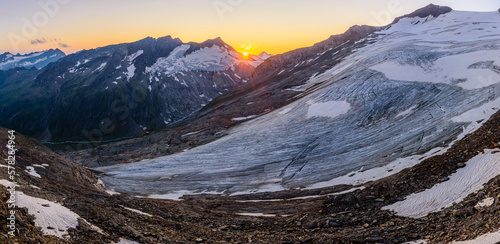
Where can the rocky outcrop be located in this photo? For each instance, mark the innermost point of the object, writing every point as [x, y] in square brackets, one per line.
[429, 10]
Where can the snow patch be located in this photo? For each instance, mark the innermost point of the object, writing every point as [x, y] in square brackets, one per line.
[130, 72]
[133, 56]
[112, 192]
[31, 170]
[477, 172]
[256, 214]
[244, 118]
[329, 109]
[48, 214]
[101, 67]
[136, 211]
[485, 202]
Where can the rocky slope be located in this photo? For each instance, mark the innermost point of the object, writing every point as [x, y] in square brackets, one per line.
[120, 90]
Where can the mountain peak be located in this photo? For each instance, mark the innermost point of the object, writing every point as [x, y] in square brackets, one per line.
[431, 9]
[217, 41]
[170, 38]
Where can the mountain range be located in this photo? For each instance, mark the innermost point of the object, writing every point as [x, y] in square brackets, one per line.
[120, 90]
[35, 59]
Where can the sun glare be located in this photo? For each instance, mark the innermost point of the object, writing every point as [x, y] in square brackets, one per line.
[245, 50]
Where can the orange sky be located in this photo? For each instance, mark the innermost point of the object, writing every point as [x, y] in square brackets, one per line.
[275, 26]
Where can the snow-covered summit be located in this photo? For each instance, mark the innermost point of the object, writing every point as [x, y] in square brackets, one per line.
[211, 55]
[429, 10]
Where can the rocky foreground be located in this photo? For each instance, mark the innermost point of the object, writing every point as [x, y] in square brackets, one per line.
[353, 217]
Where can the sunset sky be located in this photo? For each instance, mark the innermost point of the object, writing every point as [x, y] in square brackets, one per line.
[275, 26]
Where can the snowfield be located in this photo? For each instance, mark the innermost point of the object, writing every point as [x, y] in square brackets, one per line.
[421, 85]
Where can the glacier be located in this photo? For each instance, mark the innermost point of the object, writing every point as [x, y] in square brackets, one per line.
[421, 84]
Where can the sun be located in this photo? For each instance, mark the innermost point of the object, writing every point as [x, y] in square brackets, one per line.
[245, 50]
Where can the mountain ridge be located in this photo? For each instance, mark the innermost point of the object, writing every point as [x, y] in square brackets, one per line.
[37, 59]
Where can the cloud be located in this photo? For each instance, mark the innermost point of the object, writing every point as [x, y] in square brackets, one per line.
[63, 45]
[38, 41]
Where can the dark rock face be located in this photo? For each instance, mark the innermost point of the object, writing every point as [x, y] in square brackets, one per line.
[429, 10]
[119, 90]
[37, 60]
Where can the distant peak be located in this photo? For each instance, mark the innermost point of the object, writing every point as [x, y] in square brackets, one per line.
[170, 38]
[217, 41]
[429, 10]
